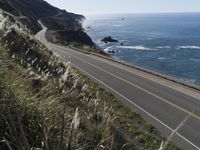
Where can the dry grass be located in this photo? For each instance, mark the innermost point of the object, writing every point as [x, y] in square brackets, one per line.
[47, 104]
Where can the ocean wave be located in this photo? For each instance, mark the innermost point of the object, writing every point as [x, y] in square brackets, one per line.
[108, 48]
[137, 48]
[188, 47]
[162, 58]
[111, 49]
[163, 47]
[194, 59]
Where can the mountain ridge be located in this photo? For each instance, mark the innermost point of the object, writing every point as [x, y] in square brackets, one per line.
[29, 12]
[65, 24]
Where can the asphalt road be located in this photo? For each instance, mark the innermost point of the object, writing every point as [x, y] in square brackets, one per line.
[161, 102]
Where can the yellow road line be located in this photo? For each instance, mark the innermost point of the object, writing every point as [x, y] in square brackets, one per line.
[144, 90]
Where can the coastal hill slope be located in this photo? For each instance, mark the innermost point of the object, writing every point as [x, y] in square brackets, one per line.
[45, 103]
[32, 9]
[29, 12]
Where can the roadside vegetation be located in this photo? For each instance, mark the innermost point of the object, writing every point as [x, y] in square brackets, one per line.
[45, 103]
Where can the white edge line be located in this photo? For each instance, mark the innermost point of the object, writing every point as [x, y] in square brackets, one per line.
[152, 80]
[139, 107]
[160, 83]
[136, 105]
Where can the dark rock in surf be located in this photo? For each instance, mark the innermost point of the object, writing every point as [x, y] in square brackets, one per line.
[108, 39]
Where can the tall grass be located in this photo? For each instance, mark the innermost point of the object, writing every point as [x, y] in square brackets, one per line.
[55, 107]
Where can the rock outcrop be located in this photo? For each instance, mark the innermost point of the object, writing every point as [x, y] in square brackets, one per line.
[108, 39]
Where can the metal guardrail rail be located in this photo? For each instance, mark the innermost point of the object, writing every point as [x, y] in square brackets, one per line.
[161, 75]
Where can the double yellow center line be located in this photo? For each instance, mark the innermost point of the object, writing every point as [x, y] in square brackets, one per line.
[144, 90]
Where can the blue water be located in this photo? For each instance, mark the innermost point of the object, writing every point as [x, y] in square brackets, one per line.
[168, 43]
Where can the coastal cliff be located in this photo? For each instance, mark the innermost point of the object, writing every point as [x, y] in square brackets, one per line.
[60, 21]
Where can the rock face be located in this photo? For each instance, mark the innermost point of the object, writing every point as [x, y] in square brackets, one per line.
[108, 39]
[34, 9]
[64, 21]
[78, 37]
[29, 11]
[24, 14]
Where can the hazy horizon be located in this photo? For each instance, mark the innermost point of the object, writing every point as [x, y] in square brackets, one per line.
[88, 7]
[140, 13]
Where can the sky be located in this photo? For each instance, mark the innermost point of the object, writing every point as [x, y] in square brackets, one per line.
[126, 6]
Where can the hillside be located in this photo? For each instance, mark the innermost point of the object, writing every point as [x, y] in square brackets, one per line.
[32, 9]
[29, 12]
[45, 103]
[61, 22]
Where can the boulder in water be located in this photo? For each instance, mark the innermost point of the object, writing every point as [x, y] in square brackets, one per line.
[108, 39]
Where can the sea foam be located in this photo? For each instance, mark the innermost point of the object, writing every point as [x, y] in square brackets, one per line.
[163, 47]
[194, 59]
[162, 58]
[137, 48]
[188, 47]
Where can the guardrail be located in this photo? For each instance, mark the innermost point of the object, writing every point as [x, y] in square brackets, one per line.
[163, 76]
[167, 77]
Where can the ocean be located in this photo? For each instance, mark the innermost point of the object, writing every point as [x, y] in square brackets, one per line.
[167, 43]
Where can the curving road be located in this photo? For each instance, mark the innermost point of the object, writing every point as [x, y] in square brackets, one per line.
[160, 101]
